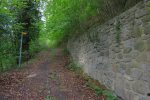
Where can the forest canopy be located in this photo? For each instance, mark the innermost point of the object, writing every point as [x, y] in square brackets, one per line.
[49, 22]
[17, 16]
[67, 17]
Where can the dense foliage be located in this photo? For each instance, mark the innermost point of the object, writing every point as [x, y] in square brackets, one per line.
[63, 19]
[67, 17]
[17, 16]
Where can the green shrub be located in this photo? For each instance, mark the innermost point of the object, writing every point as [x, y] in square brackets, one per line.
[7, 53]
[74, 67]
[34, 48]
[65, 51]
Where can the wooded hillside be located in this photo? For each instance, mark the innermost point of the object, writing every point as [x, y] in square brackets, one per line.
[62, 19]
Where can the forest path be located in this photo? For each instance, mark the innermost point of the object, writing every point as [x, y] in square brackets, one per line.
[44, 77]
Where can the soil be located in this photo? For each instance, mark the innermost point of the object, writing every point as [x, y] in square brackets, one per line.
[45, 77]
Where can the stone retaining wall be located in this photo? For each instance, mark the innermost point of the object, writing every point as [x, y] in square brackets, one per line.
[117, 53]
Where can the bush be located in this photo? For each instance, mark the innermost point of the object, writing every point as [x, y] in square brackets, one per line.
[74, 67]
[34, 48]
[7, 54]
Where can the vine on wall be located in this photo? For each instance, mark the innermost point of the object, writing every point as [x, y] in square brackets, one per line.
[118, 31]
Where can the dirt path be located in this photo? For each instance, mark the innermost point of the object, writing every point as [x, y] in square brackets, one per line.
[42, 78]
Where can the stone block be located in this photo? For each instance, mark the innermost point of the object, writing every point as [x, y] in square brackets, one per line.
[146, 37]
[119, 85]
[129, 43]
[108, 82]
[145, 67]
[136, 73]
[100, 76]
[130, 66]
[134, 54]
[146, 77]
[140, 45]
[137, 31]
[148, 44]
[144, 98]
[147, 28]
[127, 50]
[115, 67]
[148, 56]
[128, 71]
[127, 59]
[142, 57]
[140, 87]
[120, 56]
[122, 68]
[130, 95]
[140, 13]
[120, 92]
[116, 50]
[128, 84]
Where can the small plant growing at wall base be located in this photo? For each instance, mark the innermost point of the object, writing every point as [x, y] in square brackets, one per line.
[49, 98]
[99, 91]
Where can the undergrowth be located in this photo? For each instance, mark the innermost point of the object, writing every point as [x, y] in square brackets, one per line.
[99, 91]
[65, 51]
[50, 98]
[74, 67]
